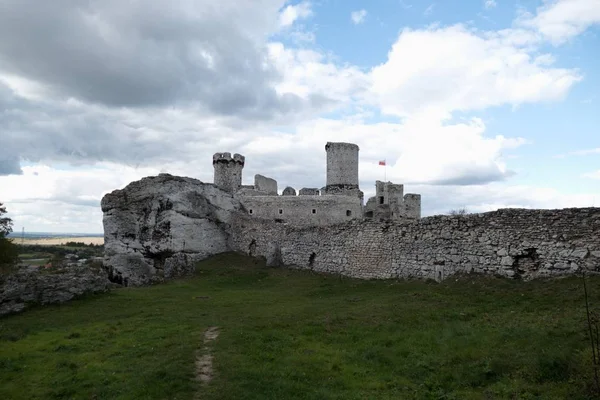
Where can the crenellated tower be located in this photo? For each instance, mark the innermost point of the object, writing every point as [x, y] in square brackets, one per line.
[228, 171]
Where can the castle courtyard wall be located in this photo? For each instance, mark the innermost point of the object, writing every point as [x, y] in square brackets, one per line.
[303, 210]
[516, 243]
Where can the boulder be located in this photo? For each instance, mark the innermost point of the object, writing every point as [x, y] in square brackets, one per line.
[159, 227]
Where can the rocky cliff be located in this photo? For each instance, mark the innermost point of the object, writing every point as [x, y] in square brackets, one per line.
[158, 227]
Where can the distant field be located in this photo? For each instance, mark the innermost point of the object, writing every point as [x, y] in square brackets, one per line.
[58, 241]
[296, 335]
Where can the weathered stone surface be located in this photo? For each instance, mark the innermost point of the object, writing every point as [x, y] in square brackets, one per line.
[265, 184]
[158, 227]
[516, 243]
[29, 286]
[309, 192]
[580, 253]
[289, 191]
[303, 210]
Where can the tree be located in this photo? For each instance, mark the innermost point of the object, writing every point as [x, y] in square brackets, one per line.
[8, 250]
[5, 223]
[460, 211]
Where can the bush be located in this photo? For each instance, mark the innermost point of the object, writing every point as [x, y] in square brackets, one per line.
[460, 211]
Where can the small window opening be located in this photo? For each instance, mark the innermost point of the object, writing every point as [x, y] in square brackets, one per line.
[348, 213]
[280, 211]
[380, 199]
[250, 211]
[314, 211]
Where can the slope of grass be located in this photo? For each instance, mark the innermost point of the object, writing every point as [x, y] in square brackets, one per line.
[296, 335]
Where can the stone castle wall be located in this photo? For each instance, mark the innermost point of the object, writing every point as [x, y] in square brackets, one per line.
[508, 242]
[158, 227]
[304, 209]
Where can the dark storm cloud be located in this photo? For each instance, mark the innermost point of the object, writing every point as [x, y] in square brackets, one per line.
[475, 176]
[38, 131]
[155, 53]
[9, 165]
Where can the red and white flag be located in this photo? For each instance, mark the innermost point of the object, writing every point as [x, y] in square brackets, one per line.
[382, 162]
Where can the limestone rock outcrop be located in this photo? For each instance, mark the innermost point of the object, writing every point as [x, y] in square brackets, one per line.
[28, 286]
[159, 227]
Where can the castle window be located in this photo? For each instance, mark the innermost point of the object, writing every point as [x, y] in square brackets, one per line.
[250, 211]
[280, 211]
[348, 213]
[314, 211]
[380, 199]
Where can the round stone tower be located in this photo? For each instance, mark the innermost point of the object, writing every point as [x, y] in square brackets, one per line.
[342, 164]
[342, 169]
[228, 171]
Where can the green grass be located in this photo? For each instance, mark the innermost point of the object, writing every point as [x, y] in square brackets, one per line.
[296, 335]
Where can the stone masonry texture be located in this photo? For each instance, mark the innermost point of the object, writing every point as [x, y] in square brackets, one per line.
[158, 227]
[515, 243]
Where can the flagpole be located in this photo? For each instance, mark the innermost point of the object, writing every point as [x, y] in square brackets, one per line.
[385, 171]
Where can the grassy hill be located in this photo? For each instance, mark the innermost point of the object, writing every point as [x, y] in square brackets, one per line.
[297, 335]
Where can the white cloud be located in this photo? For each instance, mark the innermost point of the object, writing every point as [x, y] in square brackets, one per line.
[429, 9]
[483, 198]
[63, 200]
[490, 4]
[593, 175]
[441, 70]
[585, 152]
[560, 20]
[463, 153]
[405, 5]
[292, 13]
[358, 17]
[309, 73]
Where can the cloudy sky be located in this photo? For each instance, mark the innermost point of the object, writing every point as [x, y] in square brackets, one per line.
[484, 105]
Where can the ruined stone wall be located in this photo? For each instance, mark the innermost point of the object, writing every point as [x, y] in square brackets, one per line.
[508, 242]
[265, 184]
[29, 286]
[303, 210]
[390, 202]
[412, 205]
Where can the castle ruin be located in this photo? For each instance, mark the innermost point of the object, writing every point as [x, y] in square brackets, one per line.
[340, 200]
[160, 226]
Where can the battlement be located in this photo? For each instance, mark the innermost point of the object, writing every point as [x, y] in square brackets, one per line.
[228, 171]
[226, 158]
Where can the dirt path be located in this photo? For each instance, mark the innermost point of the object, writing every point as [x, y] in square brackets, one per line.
[204, 357]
